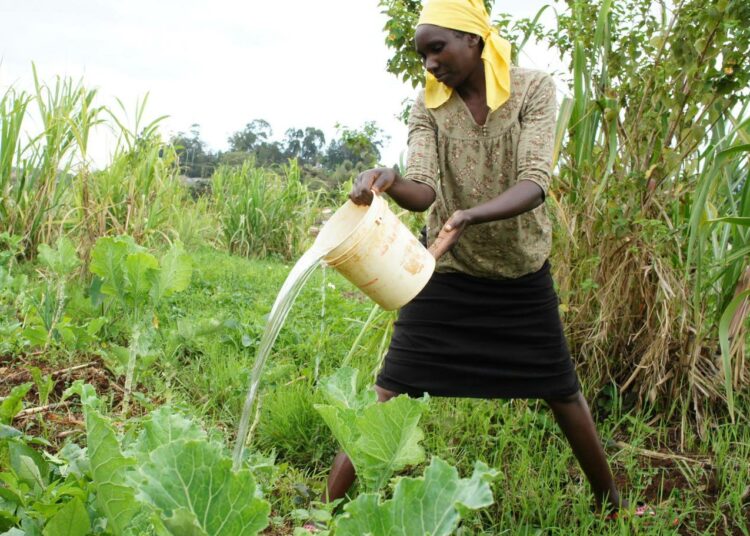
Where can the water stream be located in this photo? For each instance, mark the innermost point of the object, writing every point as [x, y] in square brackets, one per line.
[297, 277]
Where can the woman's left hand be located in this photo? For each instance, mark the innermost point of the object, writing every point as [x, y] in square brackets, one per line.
[450, 233]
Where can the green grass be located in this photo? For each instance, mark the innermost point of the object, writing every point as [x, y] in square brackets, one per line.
[207, 340]
[541, 490]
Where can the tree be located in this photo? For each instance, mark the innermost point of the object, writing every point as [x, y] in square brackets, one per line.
[195, 160]
[269, 153]
[305, 145]
[312, 145]
[255, 132]
[356, 146]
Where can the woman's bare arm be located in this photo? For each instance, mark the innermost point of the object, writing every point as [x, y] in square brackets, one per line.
[408, 194]
[521, 197]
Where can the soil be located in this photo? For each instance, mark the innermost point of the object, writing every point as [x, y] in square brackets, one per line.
[57, 420]
[666, 464]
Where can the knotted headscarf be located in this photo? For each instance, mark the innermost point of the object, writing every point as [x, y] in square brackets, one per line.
[470, 16]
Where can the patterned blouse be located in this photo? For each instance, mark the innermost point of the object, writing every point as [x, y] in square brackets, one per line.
[467, 164]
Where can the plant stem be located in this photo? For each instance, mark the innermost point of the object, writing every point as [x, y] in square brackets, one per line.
[132, 355]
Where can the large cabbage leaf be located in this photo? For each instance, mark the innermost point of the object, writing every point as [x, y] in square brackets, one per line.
[141, 275]
[380, 439]
[108, 262]
[135, 277]
[171, 471]
[340, 389]
[389, 437]
[426, 506]
[63, 259]
[193, 485]
[175, 274]
[109, 467]
[163, 426]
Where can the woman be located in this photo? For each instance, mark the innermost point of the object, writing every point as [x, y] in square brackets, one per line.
[480, 155]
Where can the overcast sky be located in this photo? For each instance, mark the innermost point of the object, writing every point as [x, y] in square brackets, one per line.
[223, 63]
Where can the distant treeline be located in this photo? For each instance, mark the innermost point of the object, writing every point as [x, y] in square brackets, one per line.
[329, 162]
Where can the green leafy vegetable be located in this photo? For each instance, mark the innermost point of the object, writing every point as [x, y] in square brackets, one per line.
[134, 277]
[193, 484]
[28, 465]
[13, 403]
[141, 274]
[71, 520]
[8, 432]
[427, 505]
[62, 260]
[162, 427]
[44, 384]
[76, 461]
[380, 439]
[389, 439]
[176, 270]
[107, 261]
[137, 281]
[340, 389]
[114, 496]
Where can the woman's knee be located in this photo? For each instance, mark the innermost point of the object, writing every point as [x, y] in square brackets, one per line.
[562, 400]
[384, 395]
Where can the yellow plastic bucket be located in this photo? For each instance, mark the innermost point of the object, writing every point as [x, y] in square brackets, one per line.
[370, 247]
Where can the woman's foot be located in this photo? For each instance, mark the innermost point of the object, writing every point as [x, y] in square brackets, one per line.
[642, 510]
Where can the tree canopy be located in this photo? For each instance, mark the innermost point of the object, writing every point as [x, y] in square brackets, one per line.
[352, 150]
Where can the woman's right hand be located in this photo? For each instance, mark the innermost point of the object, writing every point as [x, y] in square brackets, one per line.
[376, 180]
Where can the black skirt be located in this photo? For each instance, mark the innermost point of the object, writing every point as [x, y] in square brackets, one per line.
[466, 336]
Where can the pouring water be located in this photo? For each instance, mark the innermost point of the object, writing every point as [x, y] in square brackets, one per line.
[372, 249]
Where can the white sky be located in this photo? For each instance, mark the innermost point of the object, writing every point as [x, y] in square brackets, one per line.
[223, 63]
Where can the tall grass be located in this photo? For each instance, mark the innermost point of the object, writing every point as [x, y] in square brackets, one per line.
[36, 174]
[651, 205]
[135, 193]
[48, 186]
[13, 107]
[719, 243]
[264, 212]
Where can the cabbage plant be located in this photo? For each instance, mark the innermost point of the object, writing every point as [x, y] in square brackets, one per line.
[138, 281]
[380, 439]
[427, 505]
[172, 477]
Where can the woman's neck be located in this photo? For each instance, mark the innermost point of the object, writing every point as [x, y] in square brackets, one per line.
[475, 86]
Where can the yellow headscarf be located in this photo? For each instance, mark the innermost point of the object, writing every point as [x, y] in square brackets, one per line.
[472, 17]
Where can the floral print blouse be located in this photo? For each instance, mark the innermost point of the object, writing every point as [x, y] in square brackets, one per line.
[467, 164]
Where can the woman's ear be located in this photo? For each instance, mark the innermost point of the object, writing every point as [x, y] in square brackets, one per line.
[474, 40]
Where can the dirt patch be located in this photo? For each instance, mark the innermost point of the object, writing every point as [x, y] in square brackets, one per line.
[669, 484]
[56, 419]
[283, 530]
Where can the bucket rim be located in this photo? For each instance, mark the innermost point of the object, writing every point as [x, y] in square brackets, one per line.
[375, 205]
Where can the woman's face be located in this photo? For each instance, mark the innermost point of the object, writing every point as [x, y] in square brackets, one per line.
[448, 55]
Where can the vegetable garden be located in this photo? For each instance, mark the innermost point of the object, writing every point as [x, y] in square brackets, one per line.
[130, 314]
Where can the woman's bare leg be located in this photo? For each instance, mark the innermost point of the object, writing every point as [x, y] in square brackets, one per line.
[574, 418]
[342, 475]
